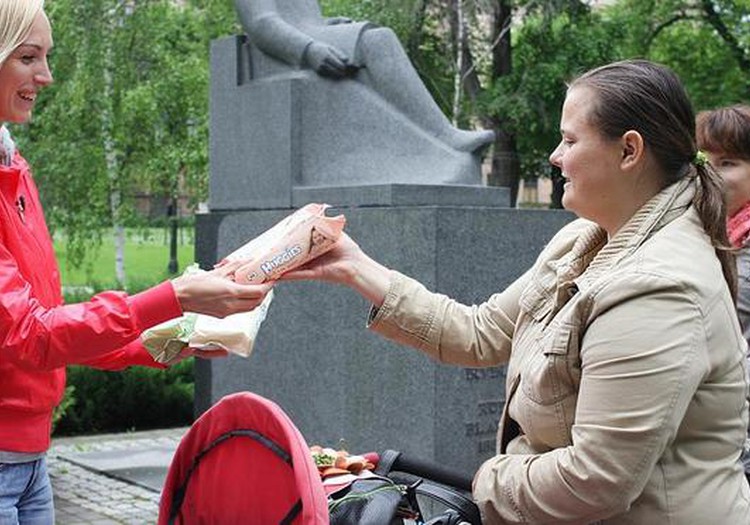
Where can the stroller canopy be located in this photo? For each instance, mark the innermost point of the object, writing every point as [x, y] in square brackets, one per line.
[243, 461]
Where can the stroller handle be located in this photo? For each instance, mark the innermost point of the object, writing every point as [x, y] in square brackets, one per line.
[391, 460]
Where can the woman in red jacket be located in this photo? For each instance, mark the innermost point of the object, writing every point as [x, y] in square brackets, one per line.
[39, 335]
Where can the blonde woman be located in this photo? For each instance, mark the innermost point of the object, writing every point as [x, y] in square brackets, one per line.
[38, 334]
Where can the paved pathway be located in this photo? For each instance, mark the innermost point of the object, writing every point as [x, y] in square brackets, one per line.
[87, 497]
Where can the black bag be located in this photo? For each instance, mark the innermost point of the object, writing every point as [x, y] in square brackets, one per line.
[441, 496]
[373, 501]
[449, 517]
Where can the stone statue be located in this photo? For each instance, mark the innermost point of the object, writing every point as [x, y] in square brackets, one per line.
[295, 32]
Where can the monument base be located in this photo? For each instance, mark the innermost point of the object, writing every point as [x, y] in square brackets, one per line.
[344, 386]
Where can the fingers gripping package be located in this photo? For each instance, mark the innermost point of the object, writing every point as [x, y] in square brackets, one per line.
[302, 236]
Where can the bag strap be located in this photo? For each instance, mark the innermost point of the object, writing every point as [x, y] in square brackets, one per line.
[438, 483]
[451, 499]
[386, 461]
[391, 460]
[180, 492]
[293, 513]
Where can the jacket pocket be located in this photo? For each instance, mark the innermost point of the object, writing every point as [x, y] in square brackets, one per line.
[553, 372]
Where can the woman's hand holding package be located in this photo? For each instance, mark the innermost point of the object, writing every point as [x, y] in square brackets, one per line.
[215, 293]
[347, 264]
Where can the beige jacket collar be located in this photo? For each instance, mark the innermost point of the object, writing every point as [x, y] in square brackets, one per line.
[592, 255]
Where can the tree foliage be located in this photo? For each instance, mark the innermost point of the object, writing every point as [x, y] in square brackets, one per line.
[547, 53]
[706, 42]
[131, 79]
[512, 58]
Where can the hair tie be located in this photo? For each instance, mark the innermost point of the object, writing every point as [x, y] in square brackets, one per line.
[700, 159]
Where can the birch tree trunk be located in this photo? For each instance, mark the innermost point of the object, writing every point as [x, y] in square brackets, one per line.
[110, 153]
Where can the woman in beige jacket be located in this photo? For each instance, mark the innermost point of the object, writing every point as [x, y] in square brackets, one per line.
[626, 389]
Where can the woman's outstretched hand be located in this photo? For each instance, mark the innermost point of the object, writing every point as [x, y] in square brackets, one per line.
[346, 264]
[215, 293]
[338, 265]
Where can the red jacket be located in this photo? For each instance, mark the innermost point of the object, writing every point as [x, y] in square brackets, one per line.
[38, 335]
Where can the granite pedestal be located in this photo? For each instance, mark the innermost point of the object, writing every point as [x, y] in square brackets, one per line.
[341, 383]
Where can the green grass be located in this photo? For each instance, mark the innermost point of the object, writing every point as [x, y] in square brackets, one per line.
[146, 259]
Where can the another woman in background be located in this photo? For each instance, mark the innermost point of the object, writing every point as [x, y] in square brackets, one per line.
[625, 387]
[724, 134]
[38, 335]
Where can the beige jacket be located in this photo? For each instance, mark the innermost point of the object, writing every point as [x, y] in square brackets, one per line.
[626, 389]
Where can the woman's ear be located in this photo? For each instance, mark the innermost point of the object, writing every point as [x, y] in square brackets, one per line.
[633, 149]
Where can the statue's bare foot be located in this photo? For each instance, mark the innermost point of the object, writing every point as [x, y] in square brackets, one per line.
[470, 141]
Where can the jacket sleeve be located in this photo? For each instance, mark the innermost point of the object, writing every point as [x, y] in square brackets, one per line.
[132, 354]
[450, 332]
[97, 332]
[638, 376]
[743, 312]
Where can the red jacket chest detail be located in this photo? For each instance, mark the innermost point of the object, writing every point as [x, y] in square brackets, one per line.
[24, 233]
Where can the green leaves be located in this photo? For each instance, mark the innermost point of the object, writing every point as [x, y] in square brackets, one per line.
[706, 42]
[158, 73]
[548, 50]
[554, 42]
[152, 56]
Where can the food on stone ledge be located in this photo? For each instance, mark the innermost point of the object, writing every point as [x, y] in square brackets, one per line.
[331, 462]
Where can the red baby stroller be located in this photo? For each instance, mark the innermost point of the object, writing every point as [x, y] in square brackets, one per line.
[244, 461]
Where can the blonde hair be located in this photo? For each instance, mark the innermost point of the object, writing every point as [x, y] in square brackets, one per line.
[16, 19]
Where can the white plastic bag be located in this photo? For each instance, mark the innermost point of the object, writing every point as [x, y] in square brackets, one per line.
[235, 333]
